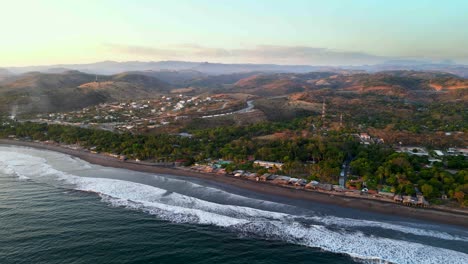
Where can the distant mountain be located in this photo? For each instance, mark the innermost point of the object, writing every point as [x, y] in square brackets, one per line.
[403, 82]
[219, 68]
[40, 92]
[460, 70]
[113, 67]
[398, 83]
[278, 84]
[4, 74]
[219, 81]
[167, 69]
[49, 81]
[57, 70]
[174, 77]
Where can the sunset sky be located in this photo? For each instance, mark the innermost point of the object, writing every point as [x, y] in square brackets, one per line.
[271, 31]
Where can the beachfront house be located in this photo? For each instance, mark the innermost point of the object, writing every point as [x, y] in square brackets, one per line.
[267, 177]
[268, 164]
[283, 180]
[301, 183]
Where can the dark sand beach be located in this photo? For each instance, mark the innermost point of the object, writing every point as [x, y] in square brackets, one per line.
[445, 216]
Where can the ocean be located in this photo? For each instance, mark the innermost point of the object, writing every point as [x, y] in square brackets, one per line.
[59, 209]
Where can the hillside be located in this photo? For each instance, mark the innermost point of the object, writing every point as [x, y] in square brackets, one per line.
[4, 75]
[43, 92]
[219, 81]
[114, 67]
[39, 92]
[51, 81]
[127, 86]
[395, 83]
[173, 77]
[277, 84]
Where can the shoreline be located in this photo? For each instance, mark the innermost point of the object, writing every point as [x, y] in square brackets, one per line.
[458, 218]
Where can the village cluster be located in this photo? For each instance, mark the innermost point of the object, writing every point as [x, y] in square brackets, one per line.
[143, 114]
[344, 188]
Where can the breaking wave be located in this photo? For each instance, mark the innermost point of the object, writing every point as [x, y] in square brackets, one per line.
[329, 233]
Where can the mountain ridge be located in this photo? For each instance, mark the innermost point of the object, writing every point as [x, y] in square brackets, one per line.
[114, 67]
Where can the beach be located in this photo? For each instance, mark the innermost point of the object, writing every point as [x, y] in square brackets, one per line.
[444, 216]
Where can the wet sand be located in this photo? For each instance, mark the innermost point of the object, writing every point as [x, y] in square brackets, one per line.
[445, 216]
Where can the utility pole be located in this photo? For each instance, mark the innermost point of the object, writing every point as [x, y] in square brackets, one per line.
[323, 110]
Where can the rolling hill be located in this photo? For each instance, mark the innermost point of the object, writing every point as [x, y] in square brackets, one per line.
[398, 83]
[4, 74]
[71, 89]
[39, 92]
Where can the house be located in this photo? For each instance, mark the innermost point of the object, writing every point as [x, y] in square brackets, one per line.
[268, 164]
[221, 171]
[338, 188]
[251, 176]
[417, 151]
[281, 180]
[264, 177]
[311, 185]
[422, 201]
[238, 173]
[398, 198]
[364, 137]
[268, 177]
[458, 151]
[292, 181]
[410, 200]
[301, 183]
[386, 194]
[324, 186]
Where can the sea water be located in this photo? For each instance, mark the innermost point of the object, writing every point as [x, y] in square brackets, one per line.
[58, 209]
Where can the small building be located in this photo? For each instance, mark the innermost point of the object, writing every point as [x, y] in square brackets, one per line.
[422, 201]
[221, 171]
[268, 177]
[324, 186]
[338, 188]
[387, 194]
[458, 151]
[238, 173]
[292, 181]
[268, 164]
[251, 176]
[300, 183]
[398, 198]
[311, 185]
[283, 180]
[364, 137]
[410, 201]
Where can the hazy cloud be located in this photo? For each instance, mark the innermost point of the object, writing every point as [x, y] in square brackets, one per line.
[258, 54]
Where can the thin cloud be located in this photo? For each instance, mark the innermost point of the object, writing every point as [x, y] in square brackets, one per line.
[258, 54]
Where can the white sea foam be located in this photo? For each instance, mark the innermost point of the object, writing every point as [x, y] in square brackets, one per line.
[181, 208]
[349, 222]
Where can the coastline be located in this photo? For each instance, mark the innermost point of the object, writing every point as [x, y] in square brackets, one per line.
[459, 218]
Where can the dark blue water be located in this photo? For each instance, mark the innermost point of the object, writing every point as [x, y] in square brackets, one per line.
[42, 224]
[59, 209]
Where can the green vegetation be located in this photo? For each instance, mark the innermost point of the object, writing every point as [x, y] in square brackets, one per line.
[420, 109]
[403, 172]
[314, 157]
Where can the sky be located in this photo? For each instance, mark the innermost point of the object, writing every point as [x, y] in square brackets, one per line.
[312, 32]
